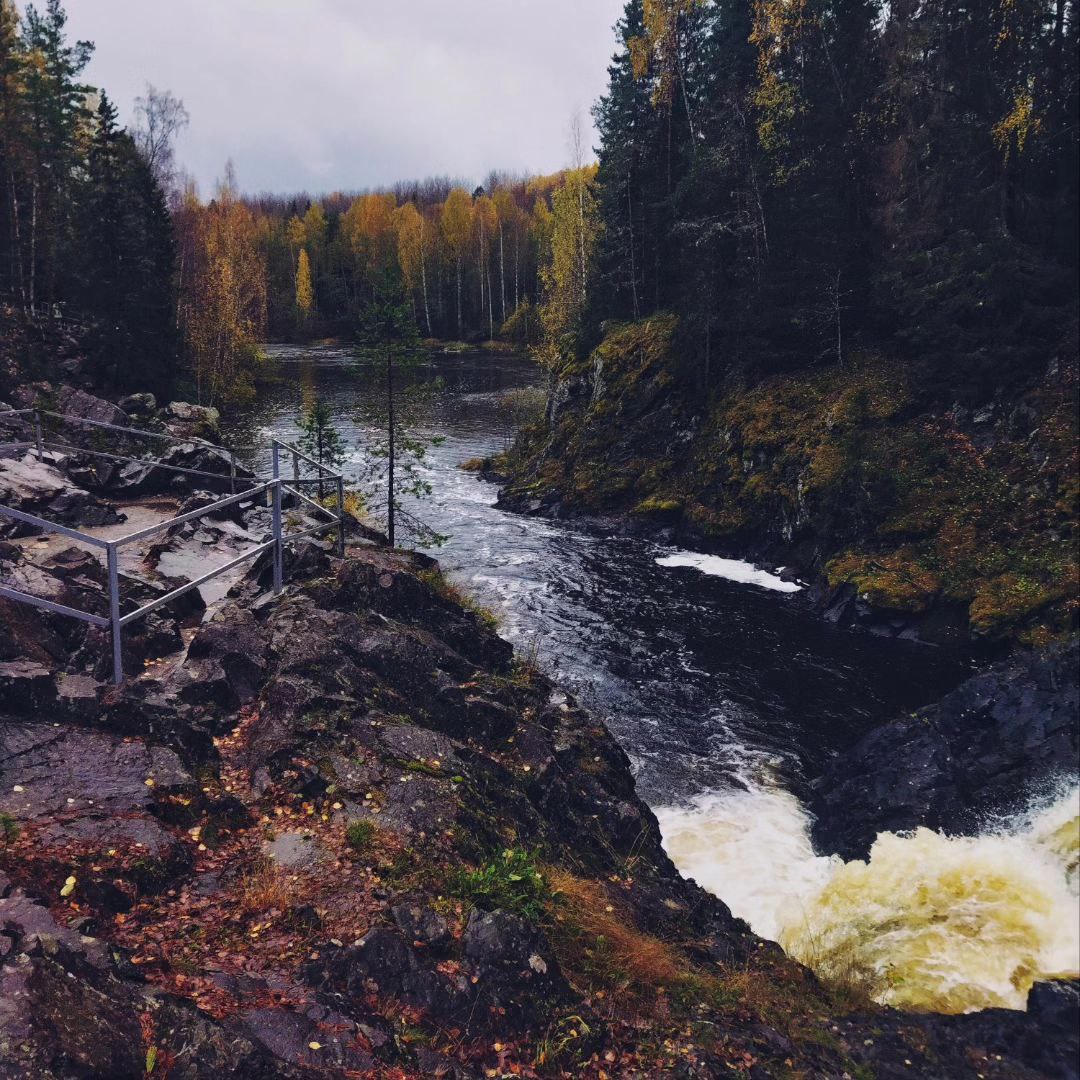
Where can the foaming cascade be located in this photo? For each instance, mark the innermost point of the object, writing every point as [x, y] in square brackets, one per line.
[933, 922]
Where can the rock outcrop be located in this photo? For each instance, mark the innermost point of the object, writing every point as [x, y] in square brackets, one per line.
[983, 749]
[41, 489]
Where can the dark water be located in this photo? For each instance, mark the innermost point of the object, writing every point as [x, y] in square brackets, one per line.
[699, 677]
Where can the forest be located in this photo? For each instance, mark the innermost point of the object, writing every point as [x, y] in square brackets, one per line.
[799, 180]
[795, 181]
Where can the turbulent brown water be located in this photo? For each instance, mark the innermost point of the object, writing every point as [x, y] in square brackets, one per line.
[726, 692]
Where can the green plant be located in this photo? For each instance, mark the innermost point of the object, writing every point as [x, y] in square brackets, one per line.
[360, 835]
[9, 828]
[511, 881]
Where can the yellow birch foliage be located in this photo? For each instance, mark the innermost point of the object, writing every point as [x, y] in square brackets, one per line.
[368, 227]
[305, 293]
[575, 228]
[457, 222]
[224, 310]
[409, 223]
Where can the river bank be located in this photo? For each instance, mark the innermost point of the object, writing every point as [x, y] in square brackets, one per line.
[948, 521]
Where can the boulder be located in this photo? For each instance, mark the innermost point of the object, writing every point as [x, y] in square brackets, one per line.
[513, 966]
[383, 963]
[73, 402]
[139, 406]
[151, 477]
[185, 420]
[38, 488]
[228, 659]
[987, 747]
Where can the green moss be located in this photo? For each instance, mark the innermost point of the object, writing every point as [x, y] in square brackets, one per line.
[895, 582]
[898, 499]
[656, 504]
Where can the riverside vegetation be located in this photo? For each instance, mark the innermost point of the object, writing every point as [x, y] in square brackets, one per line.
[830, 307]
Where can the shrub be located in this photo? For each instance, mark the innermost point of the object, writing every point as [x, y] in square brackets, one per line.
[511, 882]
[9, 828]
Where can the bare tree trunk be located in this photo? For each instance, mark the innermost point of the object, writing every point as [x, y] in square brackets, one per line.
[17, 235]
[459, 297]
[633, 266]
[427, 309]
[502, 271]
[33, 243]
[517, 269]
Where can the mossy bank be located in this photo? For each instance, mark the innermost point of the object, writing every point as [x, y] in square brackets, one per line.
[914, 515]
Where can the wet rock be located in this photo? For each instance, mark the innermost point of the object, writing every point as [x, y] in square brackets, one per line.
[991, 744]
[92, 791]
[74, 402]
[383, 963]
[297, 1039]
[138, 406]
[420, 924]
[184, 420]
[387, 581]
[516, 971]
[26, 686]
[66, 1011]
[228, 659]
[154, 476]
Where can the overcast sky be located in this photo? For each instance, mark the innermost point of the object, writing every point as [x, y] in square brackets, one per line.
[344, 94]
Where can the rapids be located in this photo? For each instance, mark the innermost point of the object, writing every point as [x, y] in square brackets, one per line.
[726, 693]
[934, 922]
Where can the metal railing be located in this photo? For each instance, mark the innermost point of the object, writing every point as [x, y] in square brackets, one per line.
[275, 489]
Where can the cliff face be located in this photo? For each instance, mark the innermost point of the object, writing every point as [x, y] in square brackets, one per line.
[912, 516]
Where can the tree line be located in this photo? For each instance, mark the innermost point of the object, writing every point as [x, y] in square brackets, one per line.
[469, 260]
[799, 179]
[84, 222]
[98, 223]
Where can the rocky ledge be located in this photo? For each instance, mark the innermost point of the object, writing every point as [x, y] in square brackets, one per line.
[984, 749]
[347, 833]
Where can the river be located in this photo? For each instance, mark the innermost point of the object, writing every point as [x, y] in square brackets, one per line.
[725, 691]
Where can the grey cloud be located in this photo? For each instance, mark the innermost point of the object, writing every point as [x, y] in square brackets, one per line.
[332, 94]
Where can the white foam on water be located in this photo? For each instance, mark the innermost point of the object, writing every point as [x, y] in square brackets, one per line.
[731, 569]
[930, 921]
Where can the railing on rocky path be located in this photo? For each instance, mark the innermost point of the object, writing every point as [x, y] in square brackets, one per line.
[274, 489]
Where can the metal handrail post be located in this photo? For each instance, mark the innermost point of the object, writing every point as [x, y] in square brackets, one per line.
[278, 555]
[232, 471]
[112, 559]
[341, 516]
[295, 470]
[37, 434]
